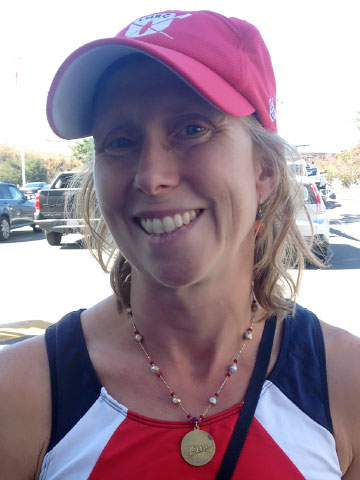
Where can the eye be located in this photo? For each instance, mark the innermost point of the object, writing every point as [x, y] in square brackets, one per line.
[191, 130]
[118, 145]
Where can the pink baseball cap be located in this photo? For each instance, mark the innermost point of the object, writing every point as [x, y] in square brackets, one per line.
[224, 59]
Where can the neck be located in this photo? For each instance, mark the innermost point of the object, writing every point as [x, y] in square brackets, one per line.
[198, 325]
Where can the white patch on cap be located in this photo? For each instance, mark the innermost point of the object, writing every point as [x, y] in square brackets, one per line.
[158, 22]
[272, 110]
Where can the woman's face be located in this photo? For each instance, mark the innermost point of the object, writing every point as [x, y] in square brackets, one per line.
[165, 158]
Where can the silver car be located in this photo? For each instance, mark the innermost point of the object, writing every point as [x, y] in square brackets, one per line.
[319, 229]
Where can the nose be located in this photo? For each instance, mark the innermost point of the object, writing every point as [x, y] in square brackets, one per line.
[157, 169]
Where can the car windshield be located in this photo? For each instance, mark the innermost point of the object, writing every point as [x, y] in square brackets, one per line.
[308, 193]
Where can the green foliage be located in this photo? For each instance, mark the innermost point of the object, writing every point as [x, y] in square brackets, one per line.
[35, 170]
[8, 153]
[83, 152]
[332, 172]
[350, 166]
[10, 170]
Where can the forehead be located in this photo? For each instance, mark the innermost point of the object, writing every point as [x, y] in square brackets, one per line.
[141, 79]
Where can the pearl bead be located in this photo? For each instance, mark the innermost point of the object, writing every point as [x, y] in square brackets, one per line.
[138, 337]
[233, 368]
[212, 400]
[176, 400]
[155, 368]
[248, 335]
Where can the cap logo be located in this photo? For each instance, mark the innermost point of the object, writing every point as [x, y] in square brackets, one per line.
[150, 24]
[272, 110]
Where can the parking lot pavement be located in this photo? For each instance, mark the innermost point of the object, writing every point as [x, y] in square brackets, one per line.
[11, 333]
[39, 283]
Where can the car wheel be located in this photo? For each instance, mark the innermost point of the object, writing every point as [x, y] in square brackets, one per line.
[53, 238]
[4, 229]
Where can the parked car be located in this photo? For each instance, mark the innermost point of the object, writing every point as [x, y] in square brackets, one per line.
[317, 177]
[319, 228]
[31, 189]
[50, 213]
[15, 210]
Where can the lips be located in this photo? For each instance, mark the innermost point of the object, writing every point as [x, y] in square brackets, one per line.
[167, 224]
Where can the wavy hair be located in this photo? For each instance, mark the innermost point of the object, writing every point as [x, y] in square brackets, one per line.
[280, 248]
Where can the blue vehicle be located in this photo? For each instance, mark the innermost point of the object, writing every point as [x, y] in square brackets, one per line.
[15, 210]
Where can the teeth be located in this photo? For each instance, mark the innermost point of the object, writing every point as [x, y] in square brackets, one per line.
[186, 218]
[157, 226]
[168, 224]
[149, 226]
[178, 221]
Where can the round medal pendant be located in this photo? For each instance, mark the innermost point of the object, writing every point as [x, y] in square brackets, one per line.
[197, 447]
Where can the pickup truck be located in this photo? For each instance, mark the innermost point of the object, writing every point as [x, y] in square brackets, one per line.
[50, 210]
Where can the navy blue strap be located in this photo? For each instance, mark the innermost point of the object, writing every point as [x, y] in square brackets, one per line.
[243, 423]
[74, 384]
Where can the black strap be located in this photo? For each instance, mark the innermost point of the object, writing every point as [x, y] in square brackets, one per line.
[243, 423]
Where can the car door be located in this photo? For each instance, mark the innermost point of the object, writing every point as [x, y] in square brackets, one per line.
[24, 209]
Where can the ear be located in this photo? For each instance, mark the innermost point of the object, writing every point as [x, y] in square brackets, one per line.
[265, 177]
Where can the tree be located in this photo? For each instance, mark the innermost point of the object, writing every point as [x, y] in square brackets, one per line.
[8, 153]
[83, 151]
[35, 170]
[350, 166]
[10, 170]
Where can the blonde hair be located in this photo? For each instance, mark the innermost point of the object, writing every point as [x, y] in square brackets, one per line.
[281, 246]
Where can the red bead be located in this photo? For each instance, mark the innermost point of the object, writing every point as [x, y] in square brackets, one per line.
[188, 416]
[158, 374]
[201, 417]
[250, 329]
[228, 374]
[235, 360]
[152, 363]
[195, 420]
[136, 332]
[172, 394]
[216, 394]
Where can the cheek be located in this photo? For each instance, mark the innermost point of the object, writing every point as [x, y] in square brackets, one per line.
[110, 188]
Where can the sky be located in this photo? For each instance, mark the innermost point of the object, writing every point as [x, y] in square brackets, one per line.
[314, 46]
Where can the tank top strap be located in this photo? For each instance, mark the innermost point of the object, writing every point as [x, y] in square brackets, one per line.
[300, 372]
[74, 384]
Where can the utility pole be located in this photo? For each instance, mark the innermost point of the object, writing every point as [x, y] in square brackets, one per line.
[20, 123]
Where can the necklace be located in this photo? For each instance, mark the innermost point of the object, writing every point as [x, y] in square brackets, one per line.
[197, 446]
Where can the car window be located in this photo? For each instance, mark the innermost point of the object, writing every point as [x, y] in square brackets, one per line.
[308, 194]
[15, 194]
[64, 181]
[5, 192]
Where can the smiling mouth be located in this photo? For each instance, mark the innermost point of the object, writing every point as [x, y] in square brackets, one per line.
[167, 224]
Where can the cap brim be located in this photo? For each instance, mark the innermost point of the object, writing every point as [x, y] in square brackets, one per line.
[70, 99]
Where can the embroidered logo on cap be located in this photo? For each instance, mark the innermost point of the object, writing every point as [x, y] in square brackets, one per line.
[152, 24]
[272, 110]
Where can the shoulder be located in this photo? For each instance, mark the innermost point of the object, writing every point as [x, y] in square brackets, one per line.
[25, 406]
[343, 363]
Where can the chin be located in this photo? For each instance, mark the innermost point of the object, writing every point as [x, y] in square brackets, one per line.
[179, 276]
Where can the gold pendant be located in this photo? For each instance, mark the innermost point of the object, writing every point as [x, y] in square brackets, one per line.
[197, 447]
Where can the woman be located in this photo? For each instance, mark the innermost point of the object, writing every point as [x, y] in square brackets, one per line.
[197, 206]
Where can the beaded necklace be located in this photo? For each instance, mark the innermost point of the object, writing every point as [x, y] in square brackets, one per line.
[197, 446]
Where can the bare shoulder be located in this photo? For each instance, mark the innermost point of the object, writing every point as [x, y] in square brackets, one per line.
[25, 408]
[343, 372]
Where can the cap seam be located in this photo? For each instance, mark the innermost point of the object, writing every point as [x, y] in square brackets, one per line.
[230, 27]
